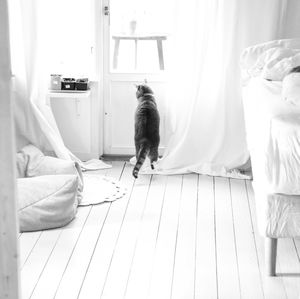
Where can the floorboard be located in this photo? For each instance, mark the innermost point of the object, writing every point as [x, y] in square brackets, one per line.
[206, 284]
[100, 261]
[162, 273]
[273, 286]
[249, 271]
[183, 284]
[121, 260]
[80, 258]
[27, 243]
[141, 267]
[182, 236]
[227, 264]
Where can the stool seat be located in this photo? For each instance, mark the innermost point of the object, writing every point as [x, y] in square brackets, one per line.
[136, 37]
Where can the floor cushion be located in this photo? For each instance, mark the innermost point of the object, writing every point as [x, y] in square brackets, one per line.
[31, 162]
[47, 201]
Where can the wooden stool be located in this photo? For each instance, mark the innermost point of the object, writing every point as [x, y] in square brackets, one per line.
[136, 38]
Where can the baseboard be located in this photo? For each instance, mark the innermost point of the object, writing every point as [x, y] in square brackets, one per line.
[116, 157]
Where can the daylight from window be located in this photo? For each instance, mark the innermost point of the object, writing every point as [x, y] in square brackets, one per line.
[139, 32]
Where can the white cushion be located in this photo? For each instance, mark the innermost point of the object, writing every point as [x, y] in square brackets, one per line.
[31, 162]
[47, 201]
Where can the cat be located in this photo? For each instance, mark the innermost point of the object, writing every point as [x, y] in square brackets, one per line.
[147, 121]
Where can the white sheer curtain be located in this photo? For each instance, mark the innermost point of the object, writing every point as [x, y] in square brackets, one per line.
[44, 40]
[208, 134]
[33, 118]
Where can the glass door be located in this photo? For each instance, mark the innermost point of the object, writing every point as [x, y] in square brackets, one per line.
[138, 35]
[135, 48]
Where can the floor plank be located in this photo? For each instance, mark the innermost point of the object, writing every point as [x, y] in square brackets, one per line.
[100, 261]
[184, 264]
[78, 263]
[58, 261]
[141, 268]
[80, 258]
[27, 242]
[227, 267]
[206, 268]
[249, 271]
[273, 286]
[37, 260]
[123, 253]
[161, 278]
[289, 267]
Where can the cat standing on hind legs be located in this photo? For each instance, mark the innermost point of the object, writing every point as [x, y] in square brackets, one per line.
[146, 135]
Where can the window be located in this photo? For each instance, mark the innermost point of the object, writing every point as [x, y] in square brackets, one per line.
[139, 32]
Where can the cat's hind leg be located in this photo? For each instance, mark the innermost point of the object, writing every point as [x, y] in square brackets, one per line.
[153, 155]
[140, 160]
[137, 150]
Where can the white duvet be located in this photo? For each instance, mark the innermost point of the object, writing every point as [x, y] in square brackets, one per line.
[273, 135]
[273, 128]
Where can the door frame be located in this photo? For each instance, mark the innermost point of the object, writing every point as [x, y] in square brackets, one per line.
[108, 76]
[9, 245]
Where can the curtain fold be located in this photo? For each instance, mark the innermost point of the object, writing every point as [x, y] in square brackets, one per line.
[208, 134]
[33, 47]
[34, 120]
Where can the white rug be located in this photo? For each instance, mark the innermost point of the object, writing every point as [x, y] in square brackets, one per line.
[94, 164]
[100, 188]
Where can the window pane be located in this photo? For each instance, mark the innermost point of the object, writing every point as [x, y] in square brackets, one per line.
[139, 32]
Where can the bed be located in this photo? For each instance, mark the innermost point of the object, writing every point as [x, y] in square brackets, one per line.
[273, 136]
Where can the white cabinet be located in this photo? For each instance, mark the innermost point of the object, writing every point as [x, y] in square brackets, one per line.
[73, 115]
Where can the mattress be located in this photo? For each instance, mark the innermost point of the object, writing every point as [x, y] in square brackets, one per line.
[273, 135]
[273, 138]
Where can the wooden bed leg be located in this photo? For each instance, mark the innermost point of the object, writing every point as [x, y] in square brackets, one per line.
[270, 255]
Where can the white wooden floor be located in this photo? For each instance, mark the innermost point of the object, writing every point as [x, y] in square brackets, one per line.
[182, 236]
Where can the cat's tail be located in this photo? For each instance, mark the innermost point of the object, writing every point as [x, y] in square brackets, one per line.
[140, 160]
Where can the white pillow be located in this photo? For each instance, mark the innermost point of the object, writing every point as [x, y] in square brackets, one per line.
[270, 57]
[251, 55]
[291, 88]
[47, 201]
[280, 64]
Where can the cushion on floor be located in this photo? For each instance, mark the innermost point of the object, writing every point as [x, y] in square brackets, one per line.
[31, 162]
[47, 201]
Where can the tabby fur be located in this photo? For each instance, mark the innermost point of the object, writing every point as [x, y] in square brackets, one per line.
[147, 120]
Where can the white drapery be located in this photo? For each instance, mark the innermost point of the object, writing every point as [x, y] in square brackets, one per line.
[33, 117]
[208, 134]
[32, 28]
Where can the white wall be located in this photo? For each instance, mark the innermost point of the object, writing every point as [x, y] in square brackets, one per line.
[292, 26]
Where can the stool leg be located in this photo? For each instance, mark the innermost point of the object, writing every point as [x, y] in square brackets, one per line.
[270, 256]
[116, 53]
[160, 54]
[135, 53]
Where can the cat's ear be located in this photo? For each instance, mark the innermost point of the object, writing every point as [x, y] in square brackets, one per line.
[145, 81]
[136, 86]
